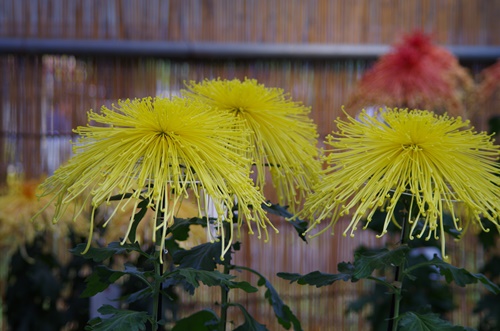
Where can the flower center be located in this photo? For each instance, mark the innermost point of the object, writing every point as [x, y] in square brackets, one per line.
[412, 147]
[166, 134]
[238, 110]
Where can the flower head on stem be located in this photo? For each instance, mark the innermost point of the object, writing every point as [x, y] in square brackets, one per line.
[282, 135]
[160, 150]
[437, 160]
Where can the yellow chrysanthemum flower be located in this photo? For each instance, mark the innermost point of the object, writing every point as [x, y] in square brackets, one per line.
[17, 207]
[283, 137]
[437, 160]
[160, 150]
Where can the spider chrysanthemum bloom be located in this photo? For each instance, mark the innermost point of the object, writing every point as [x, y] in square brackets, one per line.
[160, 150]
[437, 161]
[416, 73]
[283, 137]
[17, 207]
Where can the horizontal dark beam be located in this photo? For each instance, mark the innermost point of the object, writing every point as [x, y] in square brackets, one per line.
[208, 50]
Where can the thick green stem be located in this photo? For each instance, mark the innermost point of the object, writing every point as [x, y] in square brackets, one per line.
[157, 306]
[396, 299]
[396, 308]
[158, 270]
[224, 301]
[224, 290]
[398, 277]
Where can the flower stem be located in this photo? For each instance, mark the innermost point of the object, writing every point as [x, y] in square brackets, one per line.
[157, 288]
[224, 290]
[158, 271]
[398, 277]
[224, 301]
[395, 302]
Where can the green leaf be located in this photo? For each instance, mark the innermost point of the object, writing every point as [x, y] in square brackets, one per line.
[99, 254]
[121, 197]
[316, 278]
[138, 295]
[134, 271]
[449, 226]
[377, 222]
[126, 247]
[203, 257]
[143, 205]
[96, 254]
[207, 277]
[461, 276]
[121, 319]
[172, 245]
[180, 228]
[426, 322]
[203, 320]
[100, 279]
[193, 277]
[250, 323]
[299, 225]
[285, 316]
[367, 261]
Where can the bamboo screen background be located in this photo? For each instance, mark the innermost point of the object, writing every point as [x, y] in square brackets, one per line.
[42, 97]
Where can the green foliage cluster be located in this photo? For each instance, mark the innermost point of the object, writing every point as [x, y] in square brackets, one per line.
[190, 268]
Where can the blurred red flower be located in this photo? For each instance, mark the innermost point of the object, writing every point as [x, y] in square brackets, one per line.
[415, 74]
